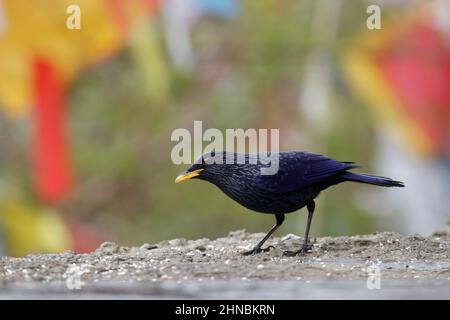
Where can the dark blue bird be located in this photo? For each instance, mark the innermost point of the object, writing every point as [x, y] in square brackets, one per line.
[301, 176]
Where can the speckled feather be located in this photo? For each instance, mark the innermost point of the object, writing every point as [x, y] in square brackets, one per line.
[300, 178]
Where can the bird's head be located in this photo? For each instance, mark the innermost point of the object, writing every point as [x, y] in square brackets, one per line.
[210, 166]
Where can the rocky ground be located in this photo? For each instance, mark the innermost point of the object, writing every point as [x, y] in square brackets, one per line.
[380, 265]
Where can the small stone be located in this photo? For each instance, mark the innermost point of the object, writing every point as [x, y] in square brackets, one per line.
[177, 242]
[290, 236]
[147, 246]
[108, 247]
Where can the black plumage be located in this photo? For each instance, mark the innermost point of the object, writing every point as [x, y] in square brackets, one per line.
[299, 180]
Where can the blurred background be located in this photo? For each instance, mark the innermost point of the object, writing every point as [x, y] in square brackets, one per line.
[86, 114]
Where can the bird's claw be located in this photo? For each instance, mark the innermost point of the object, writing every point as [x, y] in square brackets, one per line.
[305, 249]
[257, 250]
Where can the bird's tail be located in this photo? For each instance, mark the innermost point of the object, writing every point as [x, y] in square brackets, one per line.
[370, 179]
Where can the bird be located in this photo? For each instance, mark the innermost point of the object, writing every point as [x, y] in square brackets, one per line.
[300, 178]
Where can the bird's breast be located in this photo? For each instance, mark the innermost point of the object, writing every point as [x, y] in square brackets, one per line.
[254, 198]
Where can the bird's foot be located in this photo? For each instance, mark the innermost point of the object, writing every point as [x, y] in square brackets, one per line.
[305, 249]
[257, 250]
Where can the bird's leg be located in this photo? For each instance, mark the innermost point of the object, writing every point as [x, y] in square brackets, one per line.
[257, 248]
[305, 247]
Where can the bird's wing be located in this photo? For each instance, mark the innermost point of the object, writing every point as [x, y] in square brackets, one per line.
[299, 170]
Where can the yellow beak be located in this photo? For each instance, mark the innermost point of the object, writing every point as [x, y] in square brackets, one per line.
[188, 175]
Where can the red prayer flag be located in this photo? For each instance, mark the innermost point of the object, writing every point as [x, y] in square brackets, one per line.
[417, 67]
[53, 178]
